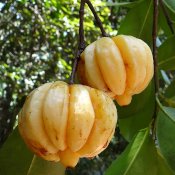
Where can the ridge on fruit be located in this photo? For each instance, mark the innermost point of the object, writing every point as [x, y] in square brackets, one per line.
[121, 66]
[65, 122]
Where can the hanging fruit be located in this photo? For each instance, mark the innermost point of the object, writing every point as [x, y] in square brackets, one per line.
[65, 122]
[121, 66]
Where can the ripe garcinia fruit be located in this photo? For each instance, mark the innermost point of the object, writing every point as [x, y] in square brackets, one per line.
[65, 122]
[122, 66]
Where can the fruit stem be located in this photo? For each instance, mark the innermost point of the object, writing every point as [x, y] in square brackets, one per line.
[156, 79]
[99, 23]
[81, 42]
[154, 35]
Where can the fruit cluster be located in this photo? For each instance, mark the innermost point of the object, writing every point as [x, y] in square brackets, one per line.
[61, 122]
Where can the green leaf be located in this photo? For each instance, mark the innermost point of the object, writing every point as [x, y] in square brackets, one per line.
[15, 158]
[163, 167]
[40, 166]
[163, 23]
[130, 126]
[166, 54]
[141, 118]
[138, 158]
[170, 4]
[138, 21]
[165, 125]
[137, 105]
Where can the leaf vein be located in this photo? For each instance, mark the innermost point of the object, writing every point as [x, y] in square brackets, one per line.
[167, 60]
[141, 144]
[144, 22]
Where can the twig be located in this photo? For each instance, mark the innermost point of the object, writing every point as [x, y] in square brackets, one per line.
[99, 23]
[154, 36]
[81, 42]
[156, 80]
[169, 22]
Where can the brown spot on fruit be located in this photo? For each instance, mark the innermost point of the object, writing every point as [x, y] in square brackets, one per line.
[43, 151]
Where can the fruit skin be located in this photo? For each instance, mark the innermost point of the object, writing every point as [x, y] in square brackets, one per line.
[121, 66]
[61, 122]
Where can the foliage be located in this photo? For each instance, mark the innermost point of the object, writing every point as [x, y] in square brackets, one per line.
[37, 44]
[30, 166]
[138, 158]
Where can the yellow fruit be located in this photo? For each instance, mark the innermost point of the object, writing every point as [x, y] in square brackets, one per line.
[121, 66]
[62, 122]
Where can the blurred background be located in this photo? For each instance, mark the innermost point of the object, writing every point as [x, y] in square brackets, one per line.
[38, 41]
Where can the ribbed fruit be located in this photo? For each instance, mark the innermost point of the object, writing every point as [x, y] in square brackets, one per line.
[121, 66]
[65, 122]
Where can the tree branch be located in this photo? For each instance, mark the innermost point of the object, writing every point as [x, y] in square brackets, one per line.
[99, 23]
[169, 22]
[154, 36]
[156, 80]
[81, 42]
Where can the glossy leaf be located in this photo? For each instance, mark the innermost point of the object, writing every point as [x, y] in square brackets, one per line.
[138, 158]
[165, 125]
[138, 21]
[40, 166]
[166, 54]
[15, 158]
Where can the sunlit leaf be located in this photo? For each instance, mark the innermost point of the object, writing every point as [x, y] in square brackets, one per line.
[138, 158]
[138, 21]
